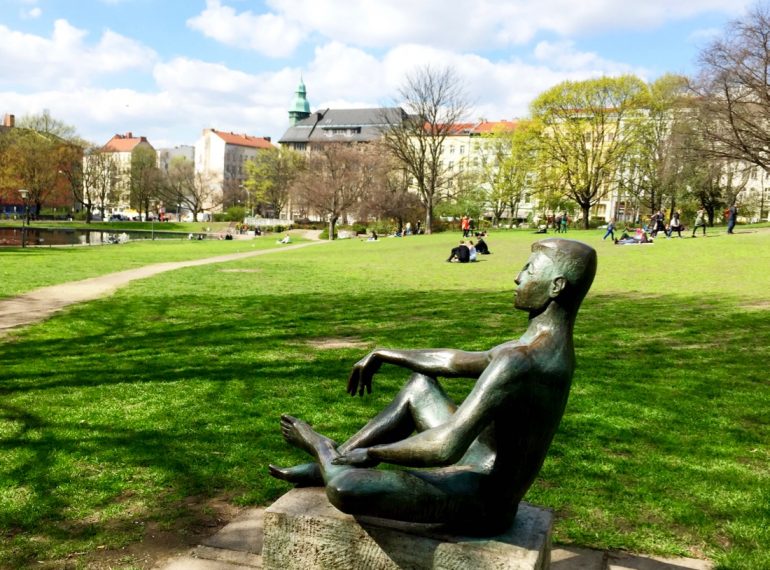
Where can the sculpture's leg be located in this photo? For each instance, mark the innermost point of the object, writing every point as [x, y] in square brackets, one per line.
[421, 404]
[444, 495]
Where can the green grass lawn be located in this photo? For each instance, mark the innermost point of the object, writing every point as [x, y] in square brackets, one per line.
[24, 269]
[117, 411]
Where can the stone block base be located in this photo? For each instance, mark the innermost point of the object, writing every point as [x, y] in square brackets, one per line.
[303, 531]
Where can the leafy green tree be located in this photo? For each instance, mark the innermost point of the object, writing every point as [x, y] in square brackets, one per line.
[145, 179]
[269, 178]
[587, 128]
[653, 171]
[507, 167]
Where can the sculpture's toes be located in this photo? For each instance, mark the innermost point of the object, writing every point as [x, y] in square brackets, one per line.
[305, 475]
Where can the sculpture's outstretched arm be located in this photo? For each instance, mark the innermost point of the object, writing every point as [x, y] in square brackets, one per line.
[449, 363]
[446, 444]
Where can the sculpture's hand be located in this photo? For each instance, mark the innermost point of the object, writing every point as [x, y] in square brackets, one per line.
[355, 457]
[361, 376]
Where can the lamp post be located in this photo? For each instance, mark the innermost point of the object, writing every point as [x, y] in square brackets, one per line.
[25, 220]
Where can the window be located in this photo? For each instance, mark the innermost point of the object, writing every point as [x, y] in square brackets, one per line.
[462, 149]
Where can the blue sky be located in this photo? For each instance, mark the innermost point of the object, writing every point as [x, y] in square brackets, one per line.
[167, 69]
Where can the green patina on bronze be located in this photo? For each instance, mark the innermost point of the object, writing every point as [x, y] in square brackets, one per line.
[468, 466]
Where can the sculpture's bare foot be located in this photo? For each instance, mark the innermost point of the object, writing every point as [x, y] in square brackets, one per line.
[305, 475]
[301, 435]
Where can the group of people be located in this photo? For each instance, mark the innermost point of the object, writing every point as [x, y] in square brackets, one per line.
[467, 225]
[646, 234]
[468, 252]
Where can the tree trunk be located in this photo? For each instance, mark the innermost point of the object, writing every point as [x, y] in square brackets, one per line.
[332, 224]
[586, 208]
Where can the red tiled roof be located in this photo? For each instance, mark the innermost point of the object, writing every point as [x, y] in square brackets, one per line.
[123, 143]
[243, 139]
[465, 129]
[492, 126]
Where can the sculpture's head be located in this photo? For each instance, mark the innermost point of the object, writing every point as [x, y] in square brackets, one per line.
[557, 269]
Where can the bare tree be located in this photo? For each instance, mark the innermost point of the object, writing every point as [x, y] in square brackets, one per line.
[336, 178]
[46, 124]
[183, 186]
[588, 128]
[100, 180]
[733, 86]
[435, 102]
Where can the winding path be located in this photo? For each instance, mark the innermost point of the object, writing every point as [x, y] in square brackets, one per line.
[39, 304]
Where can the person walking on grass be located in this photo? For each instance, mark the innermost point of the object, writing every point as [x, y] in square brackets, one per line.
[700, 222]
[610, 231]
[732, 214]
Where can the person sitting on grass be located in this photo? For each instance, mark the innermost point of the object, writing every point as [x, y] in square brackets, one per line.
[472, 251]
[467, 466]
[460, 254]
[481, 247]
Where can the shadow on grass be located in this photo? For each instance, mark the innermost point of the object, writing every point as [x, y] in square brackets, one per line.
[663, 446]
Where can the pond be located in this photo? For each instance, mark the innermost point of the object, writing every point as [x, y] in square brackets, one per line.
[12, 236]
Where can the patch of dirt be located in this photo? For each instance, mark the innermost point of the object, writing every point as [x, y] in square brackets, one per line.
[200, 518]
[342, 342]
[239, 270]
[756, 305]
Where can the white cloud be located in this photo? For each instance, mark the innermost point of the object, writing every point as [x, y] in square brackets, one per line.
[269, 34]
[448, 24]
[563, 56]
[31, 14]
[65, 59]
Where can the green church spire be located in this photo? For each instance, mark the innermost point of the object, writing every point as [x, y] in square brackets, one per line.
[300, 108]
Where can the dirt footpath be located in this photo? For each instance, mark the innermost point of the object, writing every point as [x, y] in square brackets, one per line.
[41, 303]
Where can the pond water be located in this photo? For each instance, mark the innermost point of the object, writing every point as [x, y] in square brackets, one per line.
[12, 236]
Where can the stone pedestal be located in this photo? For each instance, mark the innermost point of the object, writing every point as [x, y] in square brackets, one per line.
[303, 531]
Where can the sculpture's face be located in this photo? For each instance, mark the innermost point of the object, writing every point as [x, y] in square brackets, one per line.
[536, 283]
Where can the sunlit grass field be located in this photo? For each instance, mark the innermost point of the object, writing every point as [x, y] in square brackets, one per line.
[24, 269]
[117, 410]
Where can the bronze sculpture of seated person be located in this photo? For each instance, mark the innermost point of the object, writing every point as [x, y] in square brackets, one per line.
[467, 466]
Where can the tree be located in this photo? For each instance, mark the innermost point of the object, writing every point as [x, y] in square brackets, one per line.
[508, 166]
[712, 181]
[46, 124]
[269, 178]
[391, 200]
[733, 86]
[653, 171]
[36, 164]
[435, 102]
[145, 179]
[183, 186]
[337, 177]
[36, 157]
[100, 175]
[587, 129]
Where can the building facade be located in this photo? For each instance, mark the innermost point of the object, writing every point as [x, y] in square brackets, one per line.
[121, 149]
[221, 156]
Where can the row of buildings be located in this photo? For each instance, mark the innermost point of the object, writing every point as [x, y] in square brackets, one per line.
[222, 156]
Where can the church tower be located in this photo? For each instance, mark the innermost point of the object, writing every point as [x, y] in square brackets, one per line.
[300, 109]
